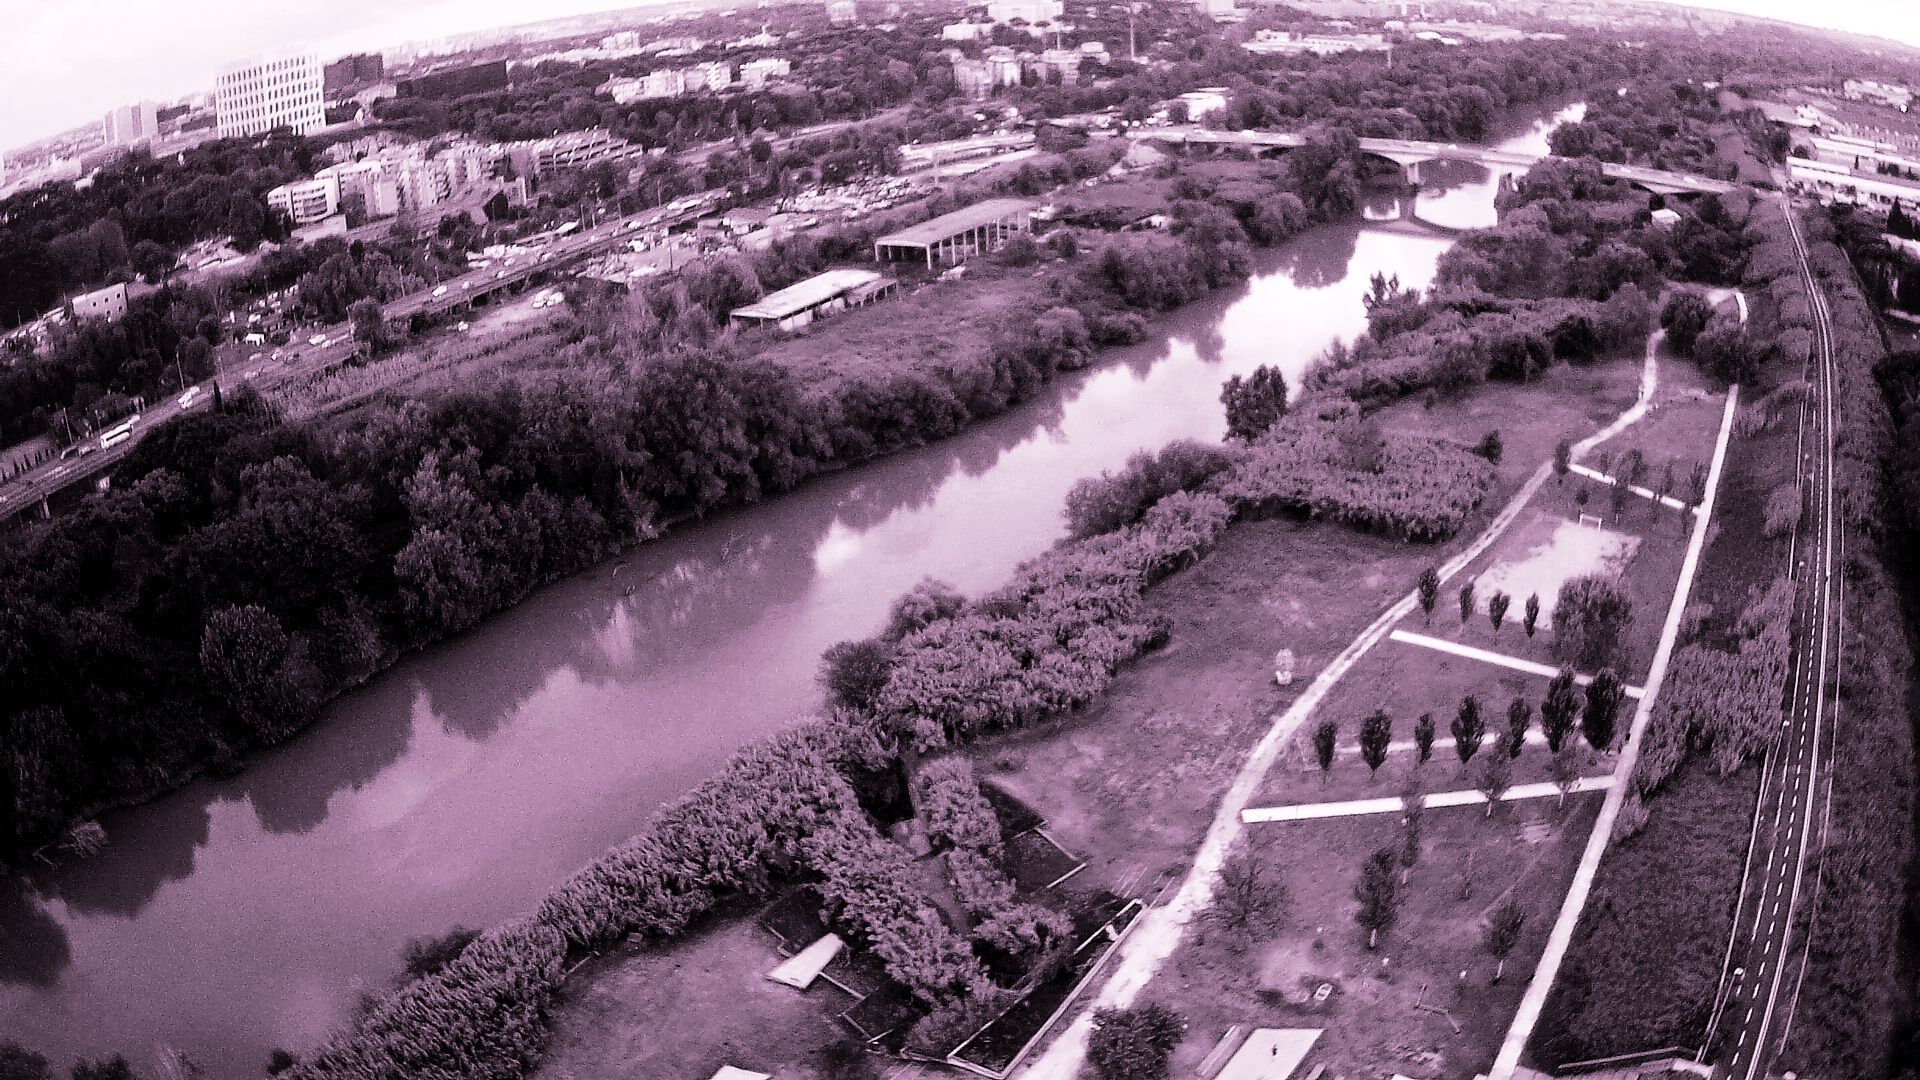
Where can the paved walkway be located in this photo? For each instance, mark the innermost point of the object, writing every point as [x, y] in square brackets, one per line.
[1508, 1059]
[1159, 931]
[1490, 657]
[1394, 803]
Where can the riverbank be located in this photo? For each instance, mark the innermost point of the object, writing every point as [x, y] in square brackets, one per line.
[532, 728]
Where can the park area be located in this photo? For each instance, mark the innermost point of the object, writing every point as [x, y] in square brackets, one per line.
[1129, 784]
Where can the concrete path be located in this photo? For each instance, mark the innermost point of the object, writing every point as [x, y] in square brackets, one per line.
[1394, 804]
[1159, 931]
[1488, 656]
[1508, 1059]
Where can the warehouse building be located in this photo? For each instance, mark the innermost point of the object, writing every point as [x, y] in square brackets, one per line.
[817, 297]
[950, 238]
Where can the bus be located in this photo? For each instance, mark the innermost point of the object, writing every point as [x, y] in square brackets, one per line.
[118, 433]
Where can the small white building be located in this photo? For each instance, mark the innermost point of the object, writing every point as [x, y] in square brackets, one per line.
[818, 296]
[1204, 101]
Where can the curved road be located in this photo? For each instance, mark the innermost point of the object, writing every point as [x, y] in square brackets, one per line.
[1767, 954]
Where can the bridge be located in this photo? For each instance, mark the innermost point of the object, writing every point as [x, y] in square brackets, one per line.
[1410, 154]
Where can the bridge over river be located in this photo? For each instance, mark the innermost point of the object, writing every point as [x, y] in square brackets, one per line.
[1410, 154]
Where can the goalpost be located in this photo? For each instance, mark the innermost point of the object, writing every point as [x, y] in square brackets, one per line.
[1590, 521]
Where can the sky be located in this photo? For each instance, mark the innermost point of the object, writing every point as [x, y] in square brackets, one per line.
[65, 62]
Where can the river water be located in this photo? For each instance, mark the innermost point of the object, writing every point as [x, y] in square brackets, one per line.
[237, 915]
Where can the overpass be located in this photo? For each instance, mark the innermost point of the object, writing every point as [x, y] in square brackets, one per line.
[1410, 154]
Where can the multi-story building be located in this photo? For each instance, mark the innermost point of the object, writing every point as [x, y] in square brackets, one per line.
[755, 74]
[1288, 42]
[130, 124]
[109, 303]
[307, 201]
[260, 95]
[570, 150]
[980, 78]
[1898, 97]
[713, 75]
[622, 41]
[455, 82]
[368, 181]
[1060, 65]
[1203, 102]
[1027, 11]
[842, 12]
[349, 72]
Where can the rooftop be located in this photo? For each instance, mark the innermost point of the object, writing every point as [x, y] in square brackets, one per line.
[802, 295]
[949, 225]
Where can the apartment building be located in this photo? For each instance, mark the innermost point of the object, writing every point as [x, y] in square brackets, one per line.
[756, 74]
[257, 96]
[307, 201]
[130, 124]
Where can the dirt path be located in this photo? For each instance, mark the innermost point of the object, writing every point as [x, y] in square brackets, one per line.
[1155, 937]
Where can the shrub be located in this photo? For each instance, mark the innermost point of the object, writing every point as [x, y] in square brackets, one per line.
[1783, 511]
[953, 811]
[1423, 490]
[1254, 403]
[853, 672]
[1683, 316]
[1134, 1044]
[1111, 501]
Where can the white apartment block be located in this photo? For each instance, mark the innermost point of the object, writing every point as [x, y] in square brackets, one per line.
[307, 201]
[713, 75]
[755, 74]
[129, 124]
[279, 91]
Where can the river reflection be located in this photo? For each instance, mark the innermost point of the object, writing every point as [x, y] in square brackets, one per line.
[240, 914]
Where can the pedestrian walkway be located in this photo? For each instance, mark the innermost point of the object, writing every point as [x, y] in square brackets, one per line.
[1488, 656]
[1392, 804]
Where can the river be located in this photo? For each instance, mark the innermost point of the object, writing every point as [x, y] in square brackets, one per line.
[237, 915]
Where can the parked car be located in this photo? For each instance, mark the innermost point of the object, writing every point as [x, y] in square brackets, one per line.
[317, 339]
[440, 290]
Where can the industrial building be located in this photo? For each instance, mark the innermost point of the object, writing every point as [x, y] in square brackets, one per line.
[817, 297]
[950, 238]
[257, 96]
[349, 72]
[109, 303]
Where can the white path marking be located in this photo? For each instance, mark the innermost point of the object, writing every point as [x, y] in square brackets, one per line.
[1488, 656]
[1393, 803]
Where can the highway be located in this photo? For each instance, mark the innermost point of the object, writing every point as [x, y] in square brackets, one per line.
[300, 358]
[1767, 952]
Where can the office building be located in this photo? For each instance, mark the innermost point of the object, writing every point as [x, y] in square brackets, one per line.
[456, 82]
[306, 201]
[257, 96]
[130, 124]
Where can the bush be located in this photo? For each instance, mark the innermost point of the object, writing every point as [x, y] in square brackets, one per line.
[1422, 490]
[1254, 403]
[1111, 501]
[1134, 1044]
[853, 672]
[1683, 316]
[953, 811]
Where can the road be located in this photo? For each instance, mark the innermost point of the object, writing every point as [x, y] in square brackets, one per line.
[1767, 953]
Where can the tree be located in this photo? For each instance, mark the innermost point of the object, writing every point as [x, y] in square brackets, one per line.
[1564, 770]
[369, 322]
[1135, 1043]
[1530, 615]
[1591, 616]
[1423, 736]
[1683, 316]
[1325, 738]
[1491, 447]
[1469, 727]
[1562, 459]
[19, 1063]
[1617, 496]
[1633, 465]
[1669, 483]
[424, 956]
[1413, 802]
[1519, 719]
[1248, 902]
[1558, 710]
[1497, 605]
[1378, 891]
[1466, 603]
[854, 672]
[1697, 485]
[262, 672]
[1496, 772]
[1597, 721]
[1254, 403]
[1429, 592]
[1503, 933]
[1376, 733]
[152, 262]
